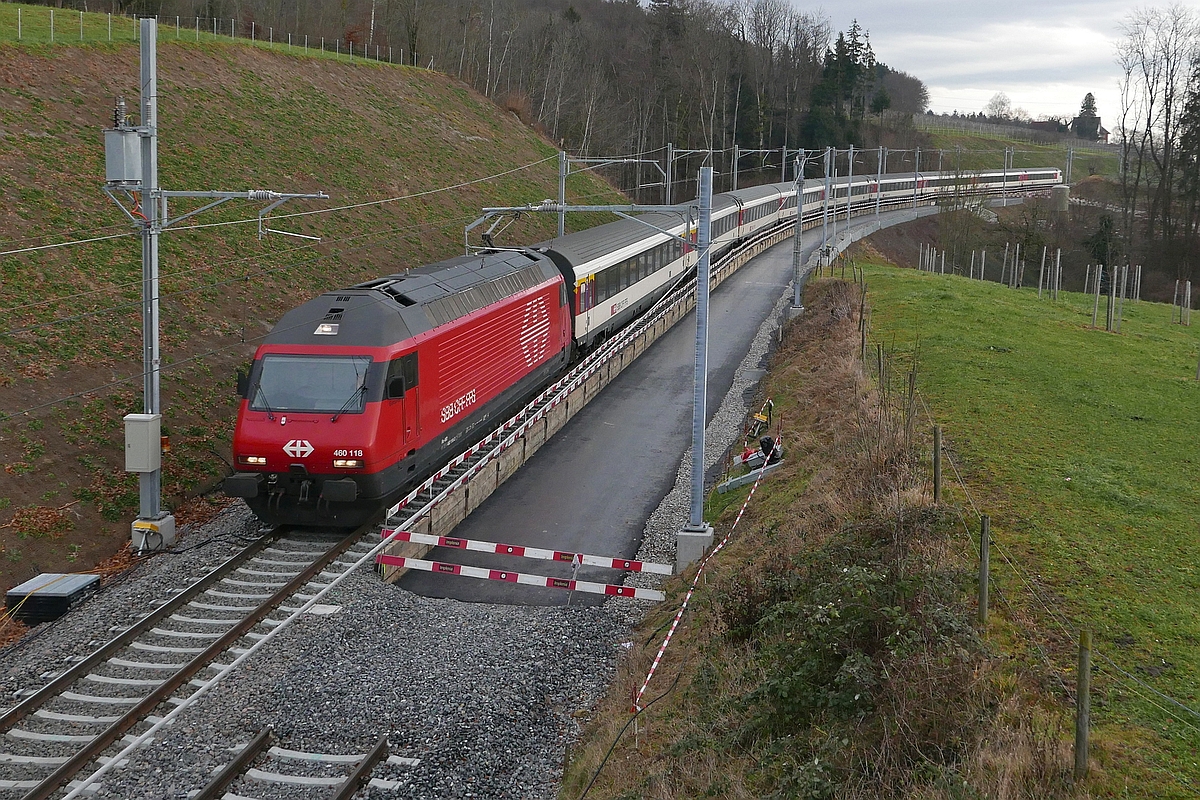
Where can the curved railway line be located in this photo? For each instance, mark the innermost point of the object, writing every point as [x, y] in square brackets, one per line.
[93, 714]
[105, 700]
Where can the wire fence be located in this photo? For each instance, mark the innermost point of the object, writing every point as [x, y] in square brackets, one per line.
[885, 368]
[41, 25]
[943, 124]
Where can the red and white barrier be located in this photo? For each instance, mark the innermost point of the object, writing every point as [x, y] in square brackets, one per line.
[528, 552]
[523, 578]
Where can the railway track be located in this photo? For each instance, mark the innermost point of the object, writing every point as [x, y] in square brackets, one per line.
[107, 700]
[260, 765]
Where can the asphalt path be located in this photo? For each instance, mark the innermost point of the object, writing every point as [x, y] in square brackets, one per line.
[592, 486]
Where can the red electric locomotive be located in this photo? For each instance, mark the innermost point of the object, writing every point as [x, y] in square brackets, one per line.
[357, 395]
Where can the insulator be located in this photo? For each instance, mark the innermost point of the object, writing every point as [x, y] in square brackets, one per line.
[261, 194]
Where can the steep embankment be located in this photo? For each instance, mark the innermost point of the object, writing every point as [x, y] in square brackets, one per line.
[232, 117]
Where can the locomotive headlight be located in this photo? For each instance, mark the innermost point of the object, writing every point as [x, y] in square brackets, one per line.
[347, 463]
[254, 461]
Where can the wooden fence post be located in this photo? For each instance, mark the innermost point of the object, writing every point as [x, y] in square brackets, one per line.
[985, 535]
[1083, 704]
[937, 464]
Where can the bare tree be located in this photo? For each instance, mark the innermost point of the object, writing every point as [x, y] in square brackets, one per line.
[1156, 56]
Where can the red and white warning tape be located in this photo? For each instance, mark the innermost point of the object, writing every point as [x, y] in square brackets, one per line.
[528, 552]
[637, 700]
[523, 578]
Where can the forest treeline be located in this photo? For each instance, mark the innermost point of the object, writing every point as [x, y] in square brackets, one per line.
[615, 77]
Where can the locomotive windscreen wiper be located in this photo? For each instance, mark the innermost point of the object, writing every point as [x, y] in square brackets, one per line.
[260, 395]
[362, 390]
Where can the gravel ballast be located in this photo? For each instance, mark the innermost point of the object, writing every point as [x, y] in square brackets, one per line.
[487, 697]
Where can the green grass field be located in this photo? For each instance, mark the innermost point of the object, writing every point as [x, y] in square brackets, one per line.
[969, 150]
[41, 25]
[1082, 446]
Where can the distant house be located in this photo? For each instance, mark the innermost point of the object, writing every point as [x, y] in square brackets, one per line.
[1089, 128]
[1049, 126]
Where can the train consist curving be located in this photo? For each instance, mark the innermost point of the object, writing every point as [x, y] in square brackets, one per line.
[359, 394]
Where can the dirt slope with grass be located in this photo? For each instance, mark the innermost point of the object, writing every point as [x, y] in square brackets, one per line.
[232, 117]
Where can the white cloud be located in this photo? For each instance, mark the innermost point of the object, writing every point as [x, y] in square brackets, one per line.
[1044, 55]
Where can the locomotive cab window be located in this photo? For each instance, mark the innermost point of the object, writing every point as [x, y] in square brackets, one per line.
[324, 384]
[402, 376]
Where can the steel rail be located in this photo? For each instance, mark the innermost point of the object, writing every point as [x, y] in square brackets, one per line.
[164, 690]
[234, 769]
[362, 771]
[122, 640]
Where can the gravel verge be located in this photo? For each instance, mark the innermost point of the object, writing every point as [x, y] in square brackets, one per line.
[51, 647]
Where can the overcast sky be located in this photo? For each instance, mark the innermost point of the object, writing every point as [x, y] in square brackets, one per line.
[1044, 55]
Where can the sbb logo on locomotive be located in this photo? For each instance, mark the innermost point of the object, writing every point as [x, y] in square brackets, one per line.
[298, 448]
[452, 410]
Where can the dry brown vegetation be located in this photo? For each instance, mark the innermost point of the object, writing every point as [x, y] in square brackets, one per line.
[830, 650]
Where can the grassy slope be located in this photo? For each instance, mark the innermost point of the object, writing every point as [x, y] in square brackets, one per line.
[231, 117]
[985, 151]
[1082, 445]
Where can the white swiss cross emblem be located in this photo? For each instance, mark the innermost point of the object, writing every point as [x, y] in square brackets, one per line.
[298, 448]
[535, 331]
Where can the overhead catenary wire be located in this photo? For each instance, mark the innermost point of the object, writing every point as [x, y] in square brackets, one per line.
[58, 245]
[433, 224]
[439, 222]
[370, 203]
[240, 278]
[175, 364]
[244, 221]
[93, 231]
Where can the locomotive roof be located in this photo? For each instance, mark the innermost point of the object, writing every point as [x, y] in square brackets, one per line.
[395, 307]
